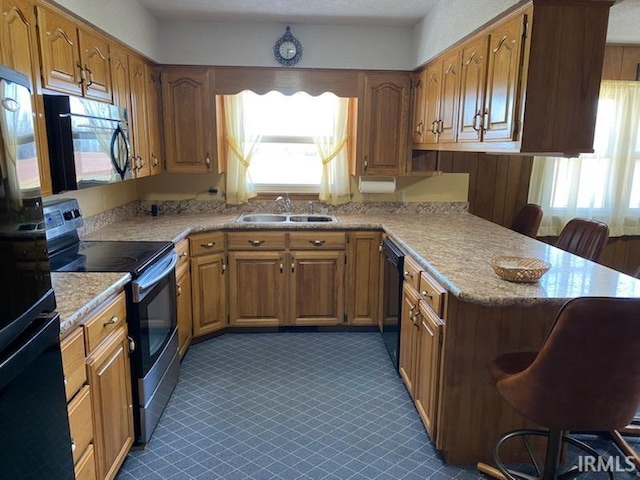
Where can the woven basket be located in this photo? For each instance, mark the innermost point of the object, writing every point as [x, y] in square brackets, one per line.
[519, 269]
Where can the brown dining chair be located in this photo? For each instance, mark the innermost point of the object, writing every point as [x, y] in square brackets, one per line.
[528, 220]
[583, 237]
[586, 377]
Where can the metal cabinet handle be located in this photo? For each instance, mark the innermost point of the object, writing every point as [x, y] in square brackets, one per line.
[155, 161]
[178, 290]
[184, 254]
[132, 344]
[281, 267]
[475, 122]
[419, 128]
[317, 243]
[224, 268]
[83, 75]
[73, 445]
[64, 379]
[293, 267]
[207, 245]
[426, 294]
[485, 121]
[366, 162]
[407, 274]
[207, 161]
[255, 243]
[113, 320]
[90, 82]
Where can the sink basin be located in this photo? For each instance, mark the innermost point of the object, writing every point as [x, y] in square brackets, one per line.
[263, 218]
[284, 218]
[311, 218]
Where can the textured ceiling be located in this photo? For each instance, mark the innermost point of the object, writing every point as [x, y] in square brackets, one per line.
[347, 12]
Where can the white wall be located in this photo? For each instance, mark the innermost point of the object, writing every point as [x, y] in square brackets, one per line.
[251, 44]
[450, 21]
[126, 20]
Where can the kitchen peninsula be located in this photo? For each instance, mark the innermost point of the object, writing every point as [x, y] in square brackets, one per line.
[484, 316]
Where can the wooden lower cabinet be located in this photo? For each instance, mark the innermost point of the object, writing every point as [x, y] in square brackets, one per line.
[209, 293]
[184, 308]
[256, 289]
[428, 350]
[85, 468]
[363, 278]
[110, 380]
[409, 337]
[317, 288]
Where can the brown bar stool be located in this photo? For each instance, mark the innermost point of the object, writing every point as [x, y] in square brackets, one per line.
[586, 377]
[528, 220]
[585, 238]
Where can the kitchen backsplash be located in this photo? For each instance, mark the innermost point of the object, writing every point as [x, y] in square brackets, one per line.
[175, 207]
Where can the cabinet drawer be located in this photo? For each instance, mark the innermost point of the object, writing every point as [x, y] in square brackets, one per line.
[73, 366]
[182, 250]
[432, 293]
[256, 240]
[208, 242]
[86, 467]
[317, 240]
[80, 423]
[108, 319]
[411, 272]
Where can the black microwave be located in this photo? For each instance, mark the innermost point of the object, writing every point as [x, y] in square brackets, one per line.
[88, 142]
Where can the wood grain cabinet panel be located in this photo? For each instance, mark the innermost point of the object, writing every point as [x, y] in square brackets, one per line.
[94, 54]
[433, 90]
[85, 468]
[184, 308]
[80, 423]
[317, 288]
[363, 278]
[120, 77]
[419, 117]
[153, 93]
[189, 121]
[472, 88]
[73, 367]
[19, 51]
[140, 158]
[385, 124]
[409, 337]
[257, 289]
[209, 293]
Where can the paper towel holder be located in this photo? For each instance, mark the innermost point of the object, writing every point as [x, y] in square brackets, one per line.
[377, 184]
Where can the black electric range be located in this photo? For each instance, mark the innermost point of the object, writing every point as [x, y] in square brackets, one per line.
[109, 256]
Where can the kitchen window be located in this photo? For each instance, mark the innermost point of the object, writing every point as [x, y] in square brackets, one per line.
[604, 185]
[278, 143]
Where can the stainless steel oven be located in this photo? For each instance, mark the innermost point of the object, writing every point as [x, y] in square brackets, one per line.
[151, 306]
[392, 298]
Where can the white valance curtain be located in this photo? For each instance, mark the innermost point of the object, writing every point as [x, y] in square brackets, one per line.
[604, 185]
[239, 147]
[334, 152]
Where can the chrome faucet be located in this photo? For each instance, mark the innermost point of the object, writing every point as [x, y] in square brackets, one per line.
[286, 203]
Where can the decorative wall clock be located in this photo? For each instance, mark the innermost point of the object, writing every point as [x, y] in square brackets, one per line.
[287, 50]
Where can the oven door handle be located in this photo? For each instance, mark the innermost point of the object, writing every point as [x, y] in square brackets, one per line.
[143, 285]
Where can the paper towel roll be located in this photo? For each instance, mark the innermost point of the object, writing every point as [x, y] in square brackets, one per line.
[377, 184]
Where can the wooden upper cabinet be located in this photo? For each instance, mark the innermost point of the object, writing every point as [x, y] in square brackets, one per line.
[141, 164]
[503, 79]
[472, 87]
[19, 51]
[384, 124]
[94, 54]
[152, 90]
[529, 82]
[433, 90]
[189, 123]
[120, 77]
[419, 107]
[621, 62]
[74, 60]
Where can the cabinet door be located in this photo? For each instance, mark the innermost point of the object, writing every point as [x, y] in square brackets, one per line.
[317, 288]
[110, 379]
[451, 66]
[60, 55]
[363, 278]
[20, 52]
[409, 337]
[433, 88]
[428, 367]
[503, 79]
[256, 289]
[472, 86]
[419, 106]
[120, 77]
[94, 57]
[209, 293]
[152, 76]
[138, 117]
[187, 99]
[386, 123]
[184, 308]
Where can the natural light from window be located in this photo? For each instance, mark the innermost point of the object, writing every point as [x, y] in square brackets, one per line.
[287, 158]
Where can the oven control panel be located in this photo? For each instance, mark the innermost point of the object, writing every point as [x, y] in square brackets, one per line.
[62, 216]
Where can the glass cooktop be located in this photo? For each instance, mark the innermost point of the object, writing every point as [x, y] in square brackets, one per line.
[109, 256]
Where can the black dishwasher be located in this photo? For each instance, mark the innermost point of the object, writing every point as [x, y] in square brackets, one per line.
[391, 300]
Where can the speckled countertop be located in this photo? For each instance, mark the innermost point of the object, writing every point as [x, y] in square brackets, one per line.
[77, 294]
[454, 247]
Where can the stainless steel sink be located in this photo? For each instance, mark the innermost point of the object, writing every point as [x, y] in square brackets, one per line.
[262, 218]
[284, 218]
